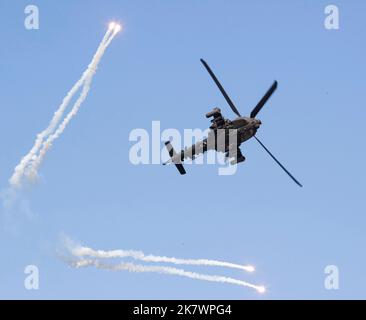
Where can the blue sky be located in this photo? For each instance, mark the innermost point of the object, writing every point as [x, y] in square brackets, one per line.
[90, 191]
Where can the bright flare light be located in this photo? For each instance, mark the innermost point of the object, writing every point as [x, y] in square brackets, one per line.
[261, 289]
[112, 25]
[250, 268]
[117, 28]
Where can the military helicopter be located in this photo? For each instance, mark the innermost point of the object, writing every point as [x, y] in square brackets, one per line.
[222, 129]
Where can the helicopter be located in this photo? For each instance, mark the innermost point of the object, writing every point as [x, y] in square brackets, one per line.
[239, 129]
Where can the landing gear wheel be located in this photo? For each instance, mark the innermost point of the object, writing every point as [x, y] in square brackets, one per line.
[238, 160]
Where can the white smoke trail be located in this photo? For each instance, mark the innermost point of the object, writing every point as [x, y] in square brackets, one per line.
[37, 161]
[164, 270]
[20, 169]
[80, 251]
[15, 180]
[81, 256]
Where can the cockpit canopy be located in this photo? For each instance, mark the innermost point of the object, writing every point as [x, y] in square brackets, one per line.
[240, 122]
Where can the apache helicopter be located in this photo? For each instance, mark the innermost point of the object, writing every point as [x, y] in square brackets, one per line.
[221, 129]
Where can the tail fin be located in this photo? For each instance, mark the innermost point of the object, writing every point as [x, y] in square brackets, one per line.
[172, 154]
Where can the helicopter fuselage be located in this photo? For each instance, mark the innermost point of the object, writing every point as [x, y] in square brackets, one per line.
[224, 136]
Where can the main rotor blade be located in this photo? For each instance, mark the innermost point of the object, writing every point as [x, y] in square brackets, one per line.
[231, 104]
[273, 157]
[265, 98]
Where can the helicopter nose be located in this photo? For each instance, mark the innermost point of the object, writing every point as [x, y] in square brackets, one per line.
[258, 123]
